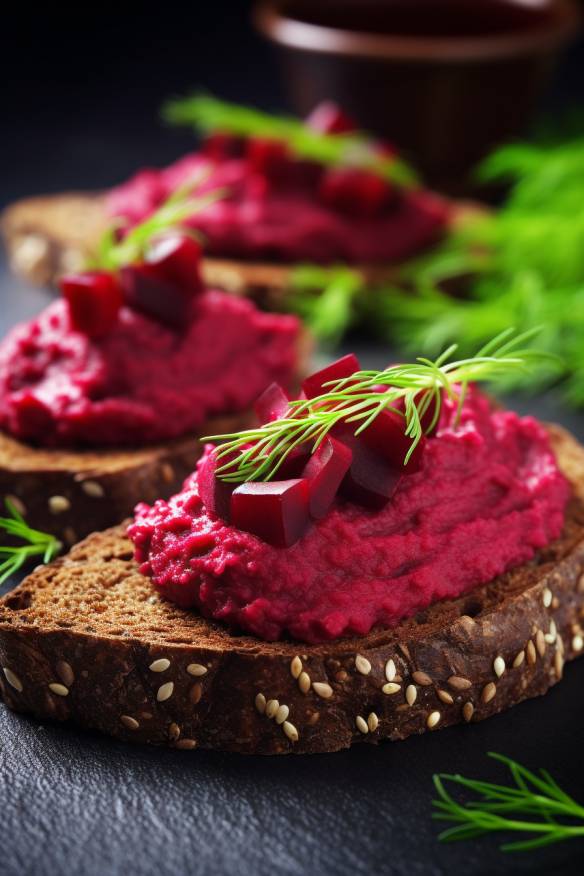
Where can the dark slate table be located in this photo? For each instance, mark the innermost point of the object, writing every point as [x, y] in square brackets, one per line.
[78, 803]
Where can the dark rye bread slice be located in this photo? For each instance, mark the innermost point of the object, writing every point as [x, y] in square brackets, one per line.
[49, 235]
[71, 493]
[87, 639]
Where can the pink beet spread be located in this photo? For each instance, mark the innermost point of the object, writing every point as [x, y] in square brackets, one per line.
[282, 219]
[488, 496]
[142, 382]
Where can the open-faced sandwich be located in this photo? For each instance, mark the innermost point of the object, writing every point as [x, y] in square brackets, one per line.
[103, 395]
[390, 554]
[314, 192]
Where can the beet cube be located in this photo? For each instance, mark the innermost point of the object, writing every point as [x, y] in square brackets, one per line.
[324, 472]
[343, 367]
[272, 404]
[371, 480]
[354, 191]
[215, 493]
[145, 290]
[176, 258]
[94, 299]
[275, 511]
[267, 156]
[386, 436]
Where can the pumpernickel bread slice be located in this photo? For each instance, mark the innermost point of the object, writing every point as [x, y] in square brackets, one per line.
[49, 235]
[71, 493]
[87, 639]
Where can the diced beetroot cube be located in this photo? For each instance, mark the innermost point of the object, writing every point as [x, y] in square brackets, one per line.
[354, 191]
[386, 436]
[324, 472]
[219, 146]
[215, 493]
[32, 415]
[177, 258]
[296, 460]
[371, 481]
[275, 511]
[343, 367]
[272, 404]
[328, 118]
[145, 290]
[94, 299]
[267, 156]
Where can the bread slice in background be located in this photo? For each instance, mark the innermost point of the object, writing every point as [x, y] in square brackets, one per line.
[88, 640]
[49, 235]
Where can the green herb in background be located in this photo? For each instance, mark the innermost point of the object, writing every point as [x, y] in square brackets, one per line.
[36, 543]
[411, 389]
[327, 300]
[207, 114]
[534, 806]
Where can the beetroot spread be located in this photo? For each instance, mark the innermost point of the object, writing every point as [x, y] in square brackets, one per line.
[487, 496]
[142, 381]
[296, 212]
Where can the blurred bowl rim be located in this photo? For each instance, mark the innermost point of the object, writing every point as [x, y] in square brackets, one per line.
[272, 21]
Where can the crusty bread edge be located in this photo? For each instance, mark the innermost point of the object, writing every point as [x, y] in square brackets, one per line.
[324, 698]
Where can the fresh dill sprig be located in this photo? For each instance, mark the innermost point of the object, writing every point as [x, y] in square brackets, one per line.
[207, 114]
[257, 454]
[36, 543]
[534, 806]
[327, 300]
[184, 202]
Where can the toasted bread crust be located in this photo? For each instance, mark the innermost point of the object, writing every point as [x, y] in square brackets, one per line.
[47, 236]
[86, 639]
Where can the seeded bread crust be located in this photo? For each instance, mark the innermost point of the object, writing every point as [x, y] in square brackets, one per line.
[48, 236]
[87, 640]
[72, 493]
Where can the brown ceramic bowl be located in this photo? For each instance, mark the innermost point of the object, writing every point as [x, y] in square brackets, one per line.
[445, 80]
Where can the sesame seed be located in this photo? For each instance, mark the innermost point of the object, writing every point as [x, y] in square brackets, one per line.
[129, 722]
[519, 660]
[304, 682]
[160, 665]
[272, 707]
[93, 489]
[196, 669]
[558, 664]
[540, 642]
[18, 504]
[361, 724]
[372, 722]
[467, 711]
[165, 691]
[59, 689]
[499, 666]
[195, 693]
[295, 666]
[577, 643]
[445, 697]
[432, 720]
[547, 597]
[411, 694]
[390, 671]
[362, 665]
[186, 744]
[59, 504]
[322, 689]
[65, 672]
[173, 732]
[282, 714]
[290, 731]
[421, 678]
[391, 688]
[488, 692]
[260, 703]
[167, 472]
[12, 679]
[459, 683]
[531, 655]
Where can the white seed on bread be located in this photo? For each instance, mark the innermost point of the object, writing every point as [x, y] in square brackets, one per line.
[304, 682]
[295, 666]
[519, 658]
[93, 489]
[391, 688]
[362, 664]
[547, 597]
[550, 636]
[196, 669]
[165, 691]
[559, 664]
[129, 722]
[282, 714]
[390, 670]
[422, 678]
[444, 697]
[12, 679]
[467, 711]
[577, 642]
[272, 707]
[65, 672]
[361, 724]
[432, 720]
[540, 642]
[59, 689]
[372, 722]
[290, 731]
[260, 703]
[322, 689]
[498, 666]
[411, 694]
[173, 732]
[59, 504]
[488, 692]
[160, 665]
[531, 653]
